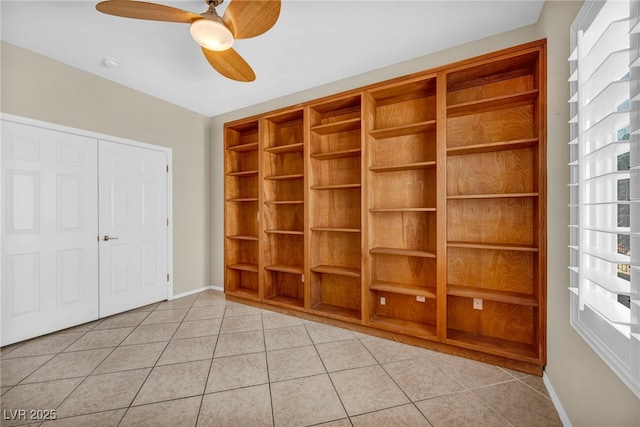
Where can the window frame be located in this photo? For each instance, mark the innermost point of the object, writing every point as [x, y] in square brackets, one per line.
[617, 343]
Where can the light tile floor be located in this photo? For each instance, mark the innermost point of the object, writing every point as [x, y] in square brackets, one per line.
[201, 360]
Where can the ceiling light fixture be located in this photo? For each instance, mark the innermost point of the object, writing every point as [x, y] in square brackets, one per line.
[211, 33]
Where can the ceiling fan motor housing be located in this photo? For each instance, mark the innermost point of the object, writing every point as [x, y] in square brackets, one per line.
[211, 32]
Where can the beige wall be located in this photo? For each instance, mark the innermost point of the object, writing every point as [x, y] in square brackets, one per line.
[37, 87]
[590, 392]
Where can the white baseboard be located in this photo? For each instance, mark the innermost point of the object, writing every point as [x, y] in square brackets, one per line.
[197, 291]
[566, 422]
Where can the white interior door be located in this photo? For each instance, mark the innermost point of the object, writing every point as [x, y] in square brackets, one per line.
[133, 226]
[49, 230]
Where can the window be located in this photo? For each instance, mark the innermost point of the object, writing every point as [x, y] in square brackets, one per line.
[605, 183]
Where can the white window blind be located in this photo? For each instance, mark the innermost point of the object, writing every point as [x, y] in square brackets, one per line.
[605, 183]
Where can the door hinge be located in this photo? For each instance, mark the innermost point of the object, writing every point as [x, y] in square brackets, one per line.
[167, 168]
[167, 222]
[167, 277]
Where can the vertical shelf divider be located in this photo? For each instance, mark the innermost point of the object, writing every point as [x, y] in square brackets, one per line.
[368, 124]
[441, 204]
[263, 133]
[306, 127]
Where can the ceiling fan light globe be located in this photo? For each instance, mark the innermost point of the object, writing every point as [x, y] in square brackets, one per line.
[212, 35]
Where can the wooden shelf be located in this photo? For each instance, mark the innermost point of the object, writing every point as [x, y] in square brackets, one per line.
[410, 88]
[336, 311]
[402, 209]
[341, 126]
[286, 301]
[490, 104]
[492, 295]
[241, 200]
[498, 346]
[293, 232]
[293, 269]
[243, 173]
[242, 237]
[403, 252]
[342, 154]
[403, 288]
[285, 177]
[402, 326]
[336, 229]
[284, 149]
[403, 167]
[242, 148]
[284, 202]
[244, 267]
[493, 246]
[405, 130]
[340, 271]
[492, 196]
[492, 147]
[335, 187]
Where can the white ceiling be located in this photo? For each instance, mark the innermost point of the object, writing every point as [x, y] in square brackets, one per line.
[313, 43]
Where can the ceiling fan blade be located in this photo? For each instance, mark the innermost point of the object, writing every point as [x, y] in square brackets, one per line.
[230, 64]
[144, 10]
[250, 18]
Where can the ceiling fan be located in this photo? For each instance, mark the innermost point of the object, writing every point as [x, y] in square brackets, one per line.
[243, 19]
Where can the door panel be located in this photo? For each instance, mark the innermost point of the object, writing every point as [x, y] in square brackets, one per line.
[133, 213]
[49, 229]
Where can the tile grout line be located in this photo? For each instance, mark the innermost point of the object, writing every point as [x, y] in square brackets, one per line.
[156, 362]
[266, 362]
[328, 374]
[472, 391]
[206, 383]
[106, 373]
[93, 370]
[534, 389]
[404, 392]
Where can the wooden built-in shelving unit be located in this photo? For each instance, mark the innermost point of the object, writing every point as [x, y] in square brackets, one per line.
[395, 207]
[242, 195]
[334, 164]
[283, 188]
[495, 212]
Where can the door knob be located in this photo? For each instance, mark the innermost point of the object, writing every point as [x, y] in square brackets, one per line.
[105, 238]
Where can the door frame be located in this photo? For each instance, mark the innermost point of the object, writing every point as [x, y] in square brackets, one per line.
[100, 136]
